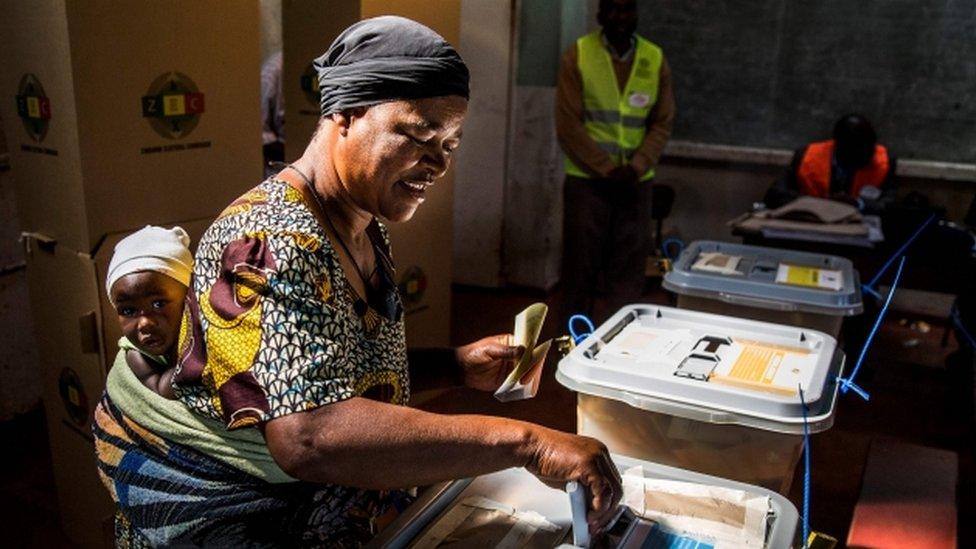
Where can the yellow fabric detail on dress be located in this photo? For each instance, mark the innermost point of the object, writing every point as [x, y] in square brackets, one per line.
[235, 209]
[293, 195]
[325, 289]
[371, 323]
[371, 320]
[183, 341]
[304, 241]
[244, 203]
[383, 377]
[231, 344]
[247, 291]
[238, 422]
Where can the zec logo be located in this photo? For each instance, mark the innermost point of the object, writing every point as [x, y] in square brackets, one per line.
[412, 285]
[33, 107]
[73, 396]
[173, 105]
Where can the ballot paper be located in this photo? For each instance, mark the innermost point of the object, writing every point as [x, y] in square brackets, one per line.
[478, 522]
[523, 381]
[712, 515]
[716, 262]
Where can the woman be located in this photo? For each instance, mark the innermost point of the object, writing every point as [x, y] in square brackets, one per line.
[293, 337]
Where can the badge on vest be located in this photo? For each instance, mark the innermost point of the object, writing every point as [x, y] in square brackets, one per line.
[639, 100]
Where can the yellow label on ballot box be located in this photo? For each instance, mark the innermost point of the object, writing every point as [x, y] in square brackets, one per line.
[811, 277]
[757, 367]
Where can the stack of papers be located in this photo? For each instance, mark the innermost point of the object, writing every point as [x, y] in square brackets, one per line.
[813, 219]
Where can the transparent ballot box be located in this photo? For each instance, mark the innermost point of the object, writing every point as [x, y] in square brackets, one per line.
[781, 286]
[714, 394]
[662, 507]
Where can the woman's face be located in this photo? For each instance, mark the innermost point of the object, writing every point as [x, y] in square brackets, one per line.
[391, 154]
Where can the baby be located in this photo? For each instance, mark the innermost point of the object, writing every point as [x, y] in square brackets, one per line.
[146, 283]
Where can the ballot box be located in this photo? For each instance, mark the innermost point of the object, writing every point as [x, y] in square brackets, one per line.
[775, 285]
[512, 508]
[714, 394]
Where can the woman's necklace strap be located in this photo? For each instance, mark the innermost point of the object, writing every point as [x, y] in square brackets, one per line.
[325, 214]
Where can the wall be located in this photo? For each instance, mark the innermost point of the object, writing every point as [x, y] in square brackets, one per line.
[775, 73]
[533, 191]
[479, 187]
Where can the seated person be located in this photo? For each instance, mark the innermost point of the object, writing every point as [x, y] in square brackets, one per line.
[852, 167]
[146, 283]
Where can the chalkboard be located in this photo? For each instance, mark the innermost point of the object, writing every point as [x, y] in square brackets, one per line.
[778, 73]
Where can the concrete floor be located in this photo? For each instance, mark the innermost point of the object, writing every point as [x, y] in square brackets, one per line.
[915, 398]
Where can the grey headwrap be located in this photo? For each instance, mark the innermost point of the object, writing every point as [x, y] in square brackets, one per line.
[386, 59]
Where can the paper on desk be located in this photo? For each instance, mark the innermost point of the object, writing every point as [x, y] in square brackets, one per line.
[726, 517]
[523, 381]
[816, 210]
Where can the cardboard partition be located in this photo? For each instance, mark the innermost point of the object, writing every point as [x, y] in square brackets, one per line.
[422, 247]
[64, 302]
[77, 335]
[119, 115]
[38, 109]
[308, 29]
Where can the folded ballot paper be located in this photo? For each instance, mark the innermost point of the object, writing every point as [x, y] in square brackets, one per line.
[523, 381]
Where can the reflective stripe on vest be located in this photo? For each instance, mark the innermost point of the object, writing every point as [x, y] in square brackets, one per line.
[616, 121]
[813, 175]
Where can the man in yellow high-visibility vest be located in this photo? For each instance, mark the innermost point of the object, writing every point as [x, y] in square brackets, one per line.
[614, 109]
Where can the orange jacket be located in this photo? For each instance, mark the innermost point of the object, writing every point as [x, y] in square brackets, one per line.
[813, 176]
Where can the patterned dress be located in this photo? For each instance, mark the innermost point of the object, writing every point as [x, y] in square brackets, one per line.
[271, 327]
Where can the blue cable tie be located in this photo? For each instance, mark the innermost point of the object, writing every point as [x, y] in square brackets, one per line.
[869, 290]
[848, 384]
[806, 472]
[898, 253]
[572, 332]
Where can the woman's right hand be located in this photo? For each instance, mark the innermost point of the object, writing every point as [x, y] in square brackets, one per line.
[559, 457]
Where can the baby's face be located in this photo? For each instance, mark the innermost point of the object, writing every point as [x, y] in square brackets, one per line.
[150, 308]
